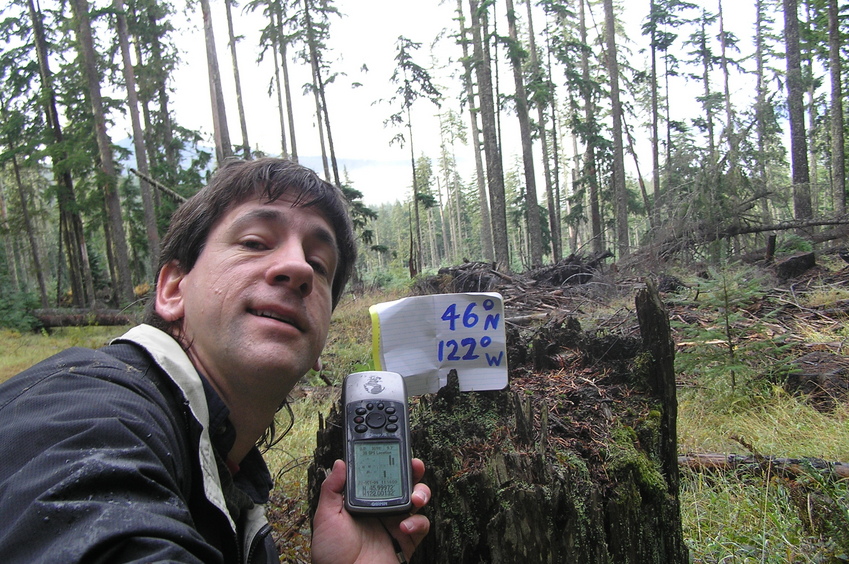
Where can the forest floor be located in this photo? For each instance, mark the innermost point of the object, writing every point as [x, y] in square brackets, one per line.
[761, 367]
[742, 336]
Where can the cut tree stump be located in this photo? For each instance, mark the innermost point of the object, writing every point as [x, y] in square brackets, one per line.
[574, 462]
[795, 266]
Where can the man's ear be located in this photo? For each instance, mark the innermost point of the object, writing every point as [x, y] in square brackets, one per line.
[169, 295]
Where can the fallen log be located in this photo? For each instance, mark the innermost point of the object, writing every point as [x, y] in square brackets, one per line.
[81, 318]
[788, 467]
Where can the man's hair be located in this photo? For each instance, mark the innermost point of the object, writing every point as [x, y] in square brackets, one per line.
[236, 182]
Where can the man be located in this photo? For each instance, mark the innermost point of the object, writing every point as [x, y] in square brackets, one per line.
[145, 450]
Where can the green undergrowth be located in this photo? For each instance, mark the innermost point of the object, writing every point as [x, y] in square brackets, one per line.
[733, 357]
[731, 365]
[22, 349]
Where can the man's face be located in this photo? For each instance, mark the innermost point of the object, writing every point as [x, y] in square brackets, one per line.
[256, 307]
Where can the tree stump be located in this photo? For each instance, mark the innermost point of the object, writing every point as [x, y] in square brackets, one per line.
[576, 462]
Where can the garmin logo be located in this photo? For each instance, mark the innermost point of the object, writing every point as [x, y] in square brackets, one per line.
[373, 385]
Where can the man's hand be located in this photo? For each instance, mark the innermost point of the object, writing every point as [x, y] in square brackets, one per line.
[339, 538]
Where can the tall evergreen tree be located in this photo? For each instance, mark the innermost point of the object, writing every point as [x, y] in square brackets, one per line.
[802, 205]
[542, 94]
[313, 23]
[516, 55]
[109, 178]
[273, 36]
[413, 82]
[664, 16]
[138, 137]
[491, 145]
[70, 222]
[246, 145]
[838, 147]
[220, 129]
[480, 177]
[620, 194]
[766, 126]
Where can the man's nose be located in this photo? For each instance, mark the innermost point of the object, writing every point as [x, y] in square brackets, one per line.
[289, 266]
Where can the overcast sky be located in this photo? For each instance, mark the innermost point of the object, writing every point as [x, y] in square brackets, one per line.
[366, 35]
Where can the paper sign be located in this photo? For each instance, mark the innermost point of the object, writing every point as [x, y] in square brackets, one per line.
[425, 337]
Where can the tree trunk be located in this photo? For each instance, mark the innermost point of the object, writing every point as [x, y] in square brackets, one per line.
[416, 219]
[620, 195]
[290, 111]
[318, 83]
[761, 109]
[166, 141]
[446, 226]
[796, 108]
[36, 255]
[492, 150]
[431, 237]
[760, 465]
[138, 140]
[246, 146]
[12, 257]
[655, 118]
[220, 130]
[284, 149]
[480, 179]
[552, 201]
[278, 49]
[316, 90]
[838, 152]
[459, 232]
[521, 100]
[590, 172]
[730, 130]
[811, 107]
[115, 222]
[70, 224]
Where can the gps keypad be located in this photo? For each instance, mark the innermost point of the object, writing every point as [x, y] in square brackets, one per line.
[379, 417]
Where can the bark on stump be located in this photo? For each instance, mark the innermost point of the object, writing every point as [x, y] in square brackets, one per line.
[576, 464]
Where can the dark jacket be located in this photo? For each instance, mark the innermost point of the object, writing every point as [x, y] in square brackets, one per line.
[105, 456]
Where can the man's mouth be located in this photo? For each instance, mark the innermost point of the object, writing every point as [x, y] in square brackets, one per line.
[274, 315]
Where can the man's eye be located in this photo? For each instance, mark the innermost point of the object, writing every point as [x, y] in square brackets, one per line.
[254, 244]
[318, 267]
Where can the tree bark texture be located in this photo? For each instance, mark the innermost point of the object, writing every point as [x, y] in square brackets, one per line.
[566, 465]
[590, 169]
[541, 103]
[838, 151]
[523, 114]
[480, 178]
[492, 150]
[114, 221]
[220, 130]
[620, 194]
[138, 138]
[28, 225]
[246, 145]
[796, 108]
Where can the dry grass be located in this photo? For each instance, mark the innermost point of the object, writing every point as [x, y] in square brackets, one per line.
[22, 350]
[782, 425]
[727, 518]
